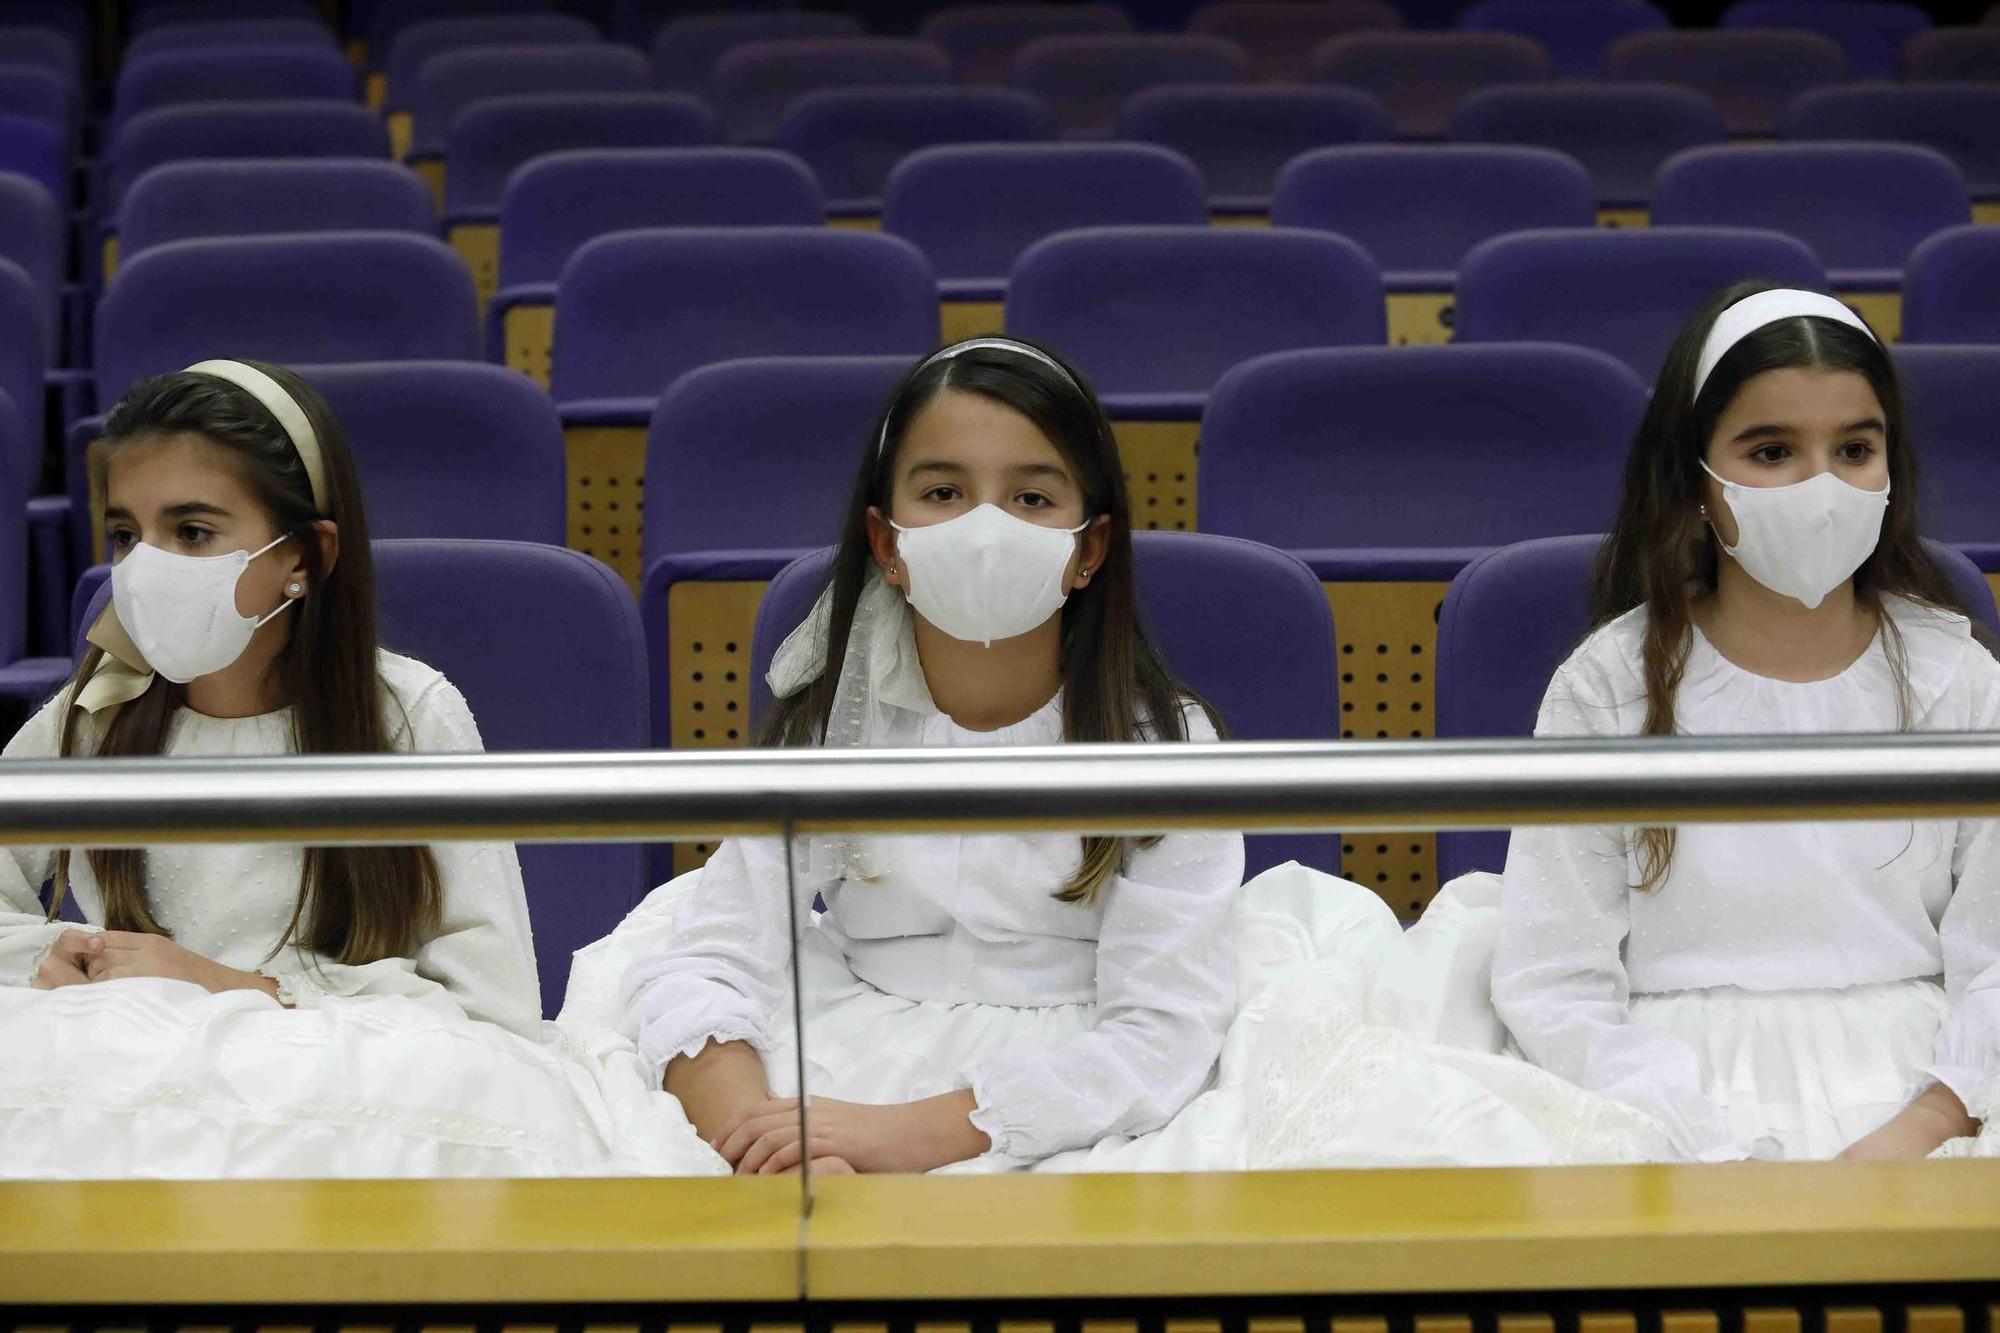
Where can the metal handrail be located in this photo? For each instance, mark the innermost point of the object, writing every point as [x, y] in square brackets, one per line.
[627, 796]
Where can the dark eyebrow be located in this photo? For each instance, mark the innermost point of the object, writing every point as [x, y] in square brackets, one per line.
[1042, 470]
[188, 507]
[1866, 423]
[945, 469]
[1762, 432]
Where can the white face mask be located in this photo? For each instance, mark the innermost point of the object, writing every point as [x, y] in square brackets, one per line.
[1806, 539]
[181, 609]
[986, 574]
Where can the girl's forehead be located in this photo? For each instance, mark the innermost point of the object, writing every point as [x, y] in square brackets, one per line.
[184, 467]
[975, 432]
[1806, 394]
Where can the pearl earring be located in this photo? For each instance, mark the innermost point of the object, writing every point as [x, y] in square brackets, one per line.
[294, 588]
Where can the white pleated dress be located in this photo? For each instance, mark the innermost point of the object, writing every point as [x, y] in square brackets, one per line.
[1788, 987]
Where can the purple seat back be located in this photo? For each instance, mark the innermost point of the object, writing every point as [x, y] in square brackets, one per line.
[686, 50]
[1960, 120]
[32, 147]
[382, 21]
[188, 200]
[1155, 315]
[852, 138]
[1575, 33]
[1862, 207]
[1951, 288]
[230, 32]
[1952, 397]
[556, 203]
[1241, 138]
[172, 13]
[1511, 618]
[982, 40]
[1201, 597]
[493, 138]
[230, 74]
[1871, 32]
[420, 41]
[37, 93]
[637, 310]
[244, 129]
[1619, 132]
[1438, 447]
[34, 234]
[1418, 209]
[974, 209]
[47, 49]
[1626, 292]
[449, 83]
[1086, 78]
[757, 83]
[1422, 76]
[1749, 74]
[1279, 36]
[304, 299]
[1971, 54]
[420, 429]
[24, 359]
[20, 458]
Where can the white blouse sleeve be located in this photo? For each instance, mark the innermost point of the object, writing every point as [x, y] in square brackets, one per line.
[728, 968]
[1559, 979]
[26, 933]
[1166, 991]
[481, 959]
[1967, 1056]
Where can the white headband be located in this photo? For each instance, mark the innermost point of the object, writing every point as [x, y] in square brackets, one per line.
[290, 416]
[978, 344]
[1752, 313]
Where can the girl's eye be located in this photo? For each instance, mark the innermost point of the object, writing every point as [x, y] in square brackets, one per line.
[941, 494]
[1857, 451]
[120, 538]
[192, 534]
[1770, 453]
[1033, 500]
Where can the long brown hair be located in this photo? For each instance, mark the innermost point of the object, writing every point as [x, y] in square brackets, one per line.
[1116, 686]
[357, 904]
[1662, 556]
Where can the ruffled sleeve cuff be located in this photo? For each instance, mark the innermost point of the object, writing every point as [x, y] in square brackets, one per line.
[296, 989]
[660, 1044]
[1967, 1056]
[31, 945]
[1977, 1087]
[994, 1114]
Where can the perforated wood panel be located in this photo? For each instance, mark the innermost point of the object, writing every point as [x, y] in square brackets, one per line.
[866, 222]
[960, 320]
[401, 126]
[1239, 219]
[378, 90]
[529, 332]
[1624, 217]
[708, 670]
[1987, 211]
[479, 244]
[430, 168]
[1388, 640]
[1882, 310]
[607, 480]
[1159, 458]
[1420, 317]
[110, 260]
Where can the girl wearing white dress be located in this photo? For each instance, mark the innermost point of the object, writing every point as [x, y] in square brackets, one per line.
[1788, 990]
[1011, 995]
[242, 622]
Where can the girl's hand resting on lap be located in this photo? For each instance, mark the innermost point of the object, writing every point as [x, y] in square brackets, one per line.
[853, 1136]
[119, 954]
[69, 960]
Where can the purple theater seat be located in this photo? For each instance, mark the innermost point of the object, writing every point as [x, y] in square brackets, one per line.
[230, 74]
[852, 138]
[494, 137]
[46, 49]
[1086, 78]
[756, 84]
[637, 310]
[25, 681]
[1954, 54]
[1862, 207]
[1280, 36]
[32, 147]
[37, 93]
[190, 200]
[243, 129]
[982, 39]
[1155, 315]
[1749, 74]
[1201, 598]
[1417, 459]
[1419, 208]
[1422, 76]
[546, 646]
[1511, 618]
[1241, 138]
[173, 13]
[974, 209]
[382, 22]
[420, 431]
[1951, 288]
[1952, 397]
[24, 315]
[1619, 132]
[1626, 292]
[230, 32]
[450, 83]
[1871, 32]
[1576, 33]
[431, 37]
[639, 22]
[686, 50]
[34, 234]
[1960, 120]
